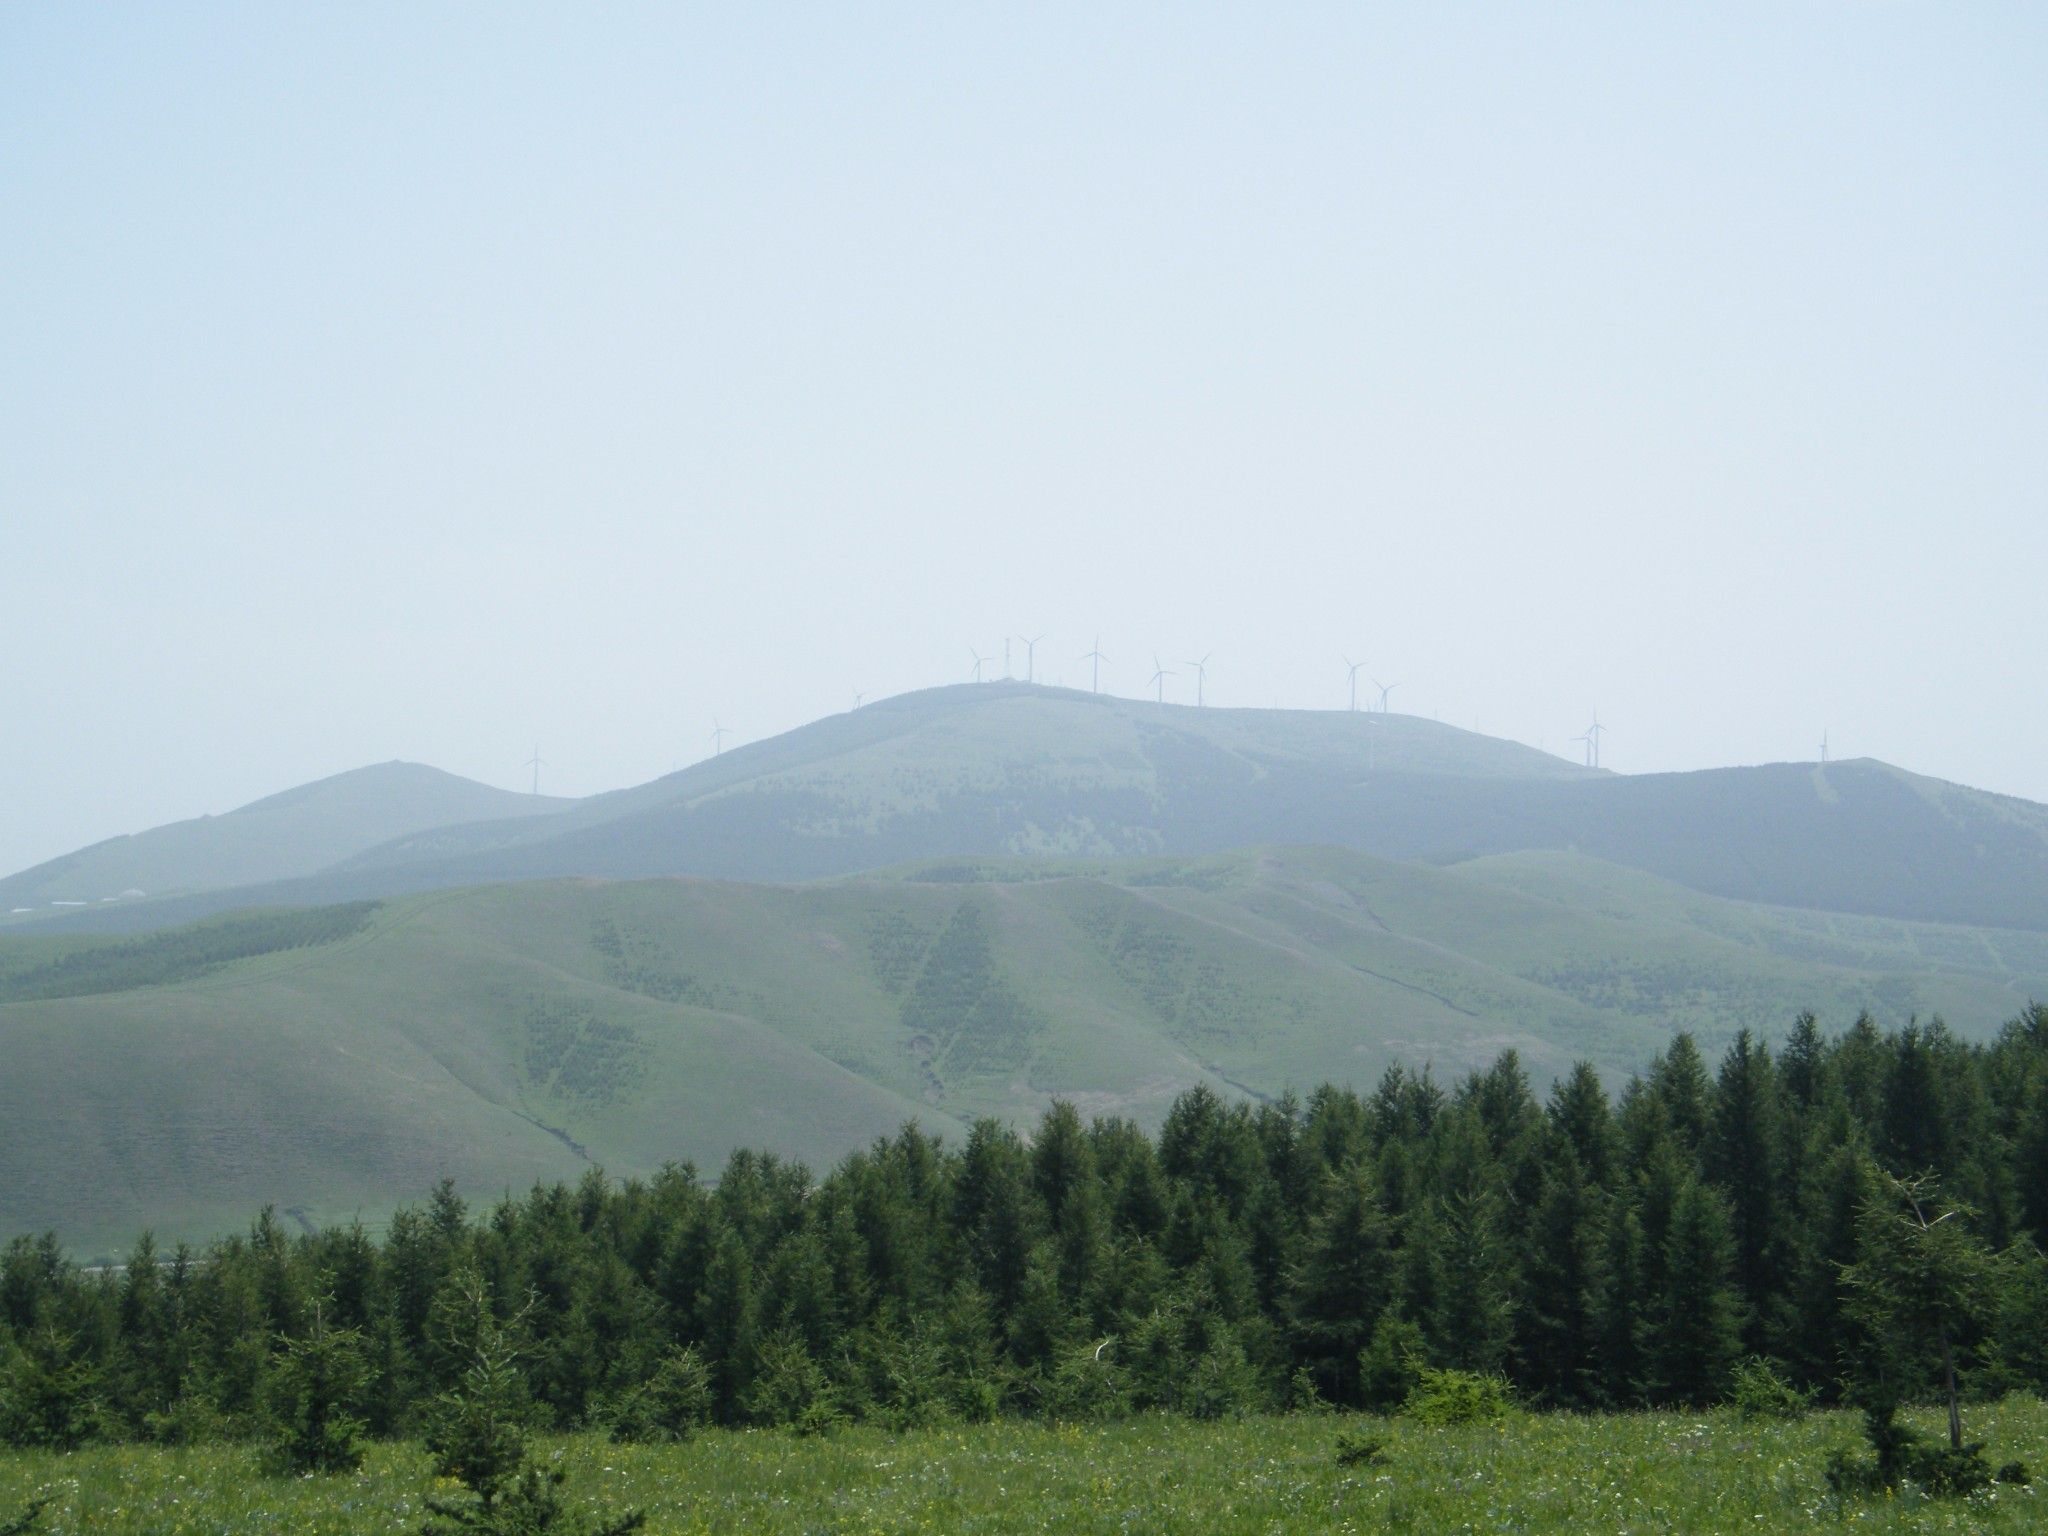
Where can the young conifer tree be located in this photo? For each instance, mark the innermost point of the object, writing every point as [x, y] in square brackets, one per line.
[316, 1389]
[477, 1436]
[1921, 1281]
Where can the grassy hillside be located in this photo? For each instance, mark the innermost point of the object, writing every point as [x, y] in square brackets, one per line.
[997, 768]
[334, 1062]
[279, 838]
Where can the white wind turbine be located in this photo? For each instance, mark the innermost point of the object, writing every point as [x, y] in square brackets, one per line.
[1095, 659]
[1592, 740]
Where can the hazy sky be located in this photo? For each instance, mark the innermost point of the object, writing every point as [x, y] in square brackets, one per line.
[425, 381]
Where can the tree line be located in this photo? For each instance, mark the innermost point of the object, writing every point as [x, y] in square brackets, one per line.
[1591, 1249]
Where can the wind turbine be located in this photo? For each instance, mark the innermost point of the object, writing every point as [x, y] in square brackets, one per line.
[718, 735]
[1006, 658]
[1159, 677]
[1385, 689]
[1592, 740]
[857, 697]
[1351, 676]
[1823, 746]
[536, 765]
[978, 660]
[1201, 675]
[1031, 656]
[1096, 658]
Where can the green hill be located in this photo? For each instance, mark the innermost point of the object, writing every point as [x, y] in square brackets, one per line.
[332, 1062]
[282, 837]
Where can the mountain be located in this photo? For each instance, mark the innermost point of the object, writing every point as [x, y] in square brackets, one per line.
[1010, 769]
[1014, 770]
[336, 1060]
[296, 833]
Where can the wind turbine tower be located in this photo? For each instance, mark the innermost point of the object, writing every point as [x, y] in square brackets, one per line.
[1201, 675]
[1159, 677]
[1592, 740]
[1031, 656]
[1385, 689]
[978, 660]
[534, 762]
[718, 735]
[1823, 746]
[1095, 658]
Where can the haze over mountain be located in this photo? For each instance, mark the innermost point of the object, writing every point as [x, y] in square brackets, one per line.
[340, 1060]
[297, 832]
[1009, 769]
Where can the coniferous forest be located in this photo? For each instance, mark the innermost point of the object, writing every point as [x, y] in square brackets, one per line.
[1591, 1249]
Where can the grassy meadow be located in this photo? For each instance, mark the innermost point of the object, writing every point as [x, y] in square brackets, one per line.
[1706, 1472]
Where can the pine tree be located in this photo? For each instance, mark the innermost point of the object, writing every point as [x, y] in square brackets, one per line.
[1921, 1280]
[1678, 1080]
[993, 1211]
[1742, 1156]
[1802, 1062]
[49, 1393]
[1821, 1237]
[477, 1437]
[1472, 1309]
[1697, 1329]
[1343, 1283]
[1579, 1114]
[1618, 1345]
[1914, 1132]
[728, 1320]
[1563, 1288]
[2030, 1156]
[316, 1391]
[670, 1406]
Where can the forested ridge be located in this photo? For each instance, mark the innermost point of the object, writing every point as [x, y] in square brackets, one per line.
[1593, 1249]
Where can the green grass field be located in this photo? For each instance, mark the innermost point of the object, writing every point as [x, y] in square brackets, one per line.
[1563, 1473]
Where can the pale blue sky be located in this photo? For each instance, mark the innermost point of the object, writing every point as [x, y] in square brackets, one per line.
[422, 381]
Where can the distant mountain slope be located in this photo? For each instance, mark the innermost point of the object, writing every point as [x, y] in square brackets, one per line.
[284, 836]
[1005, 769]
[330, 1062]
[1010, 770]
